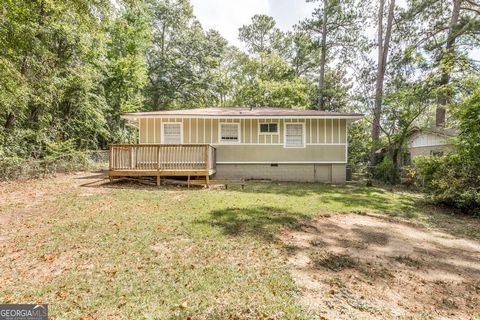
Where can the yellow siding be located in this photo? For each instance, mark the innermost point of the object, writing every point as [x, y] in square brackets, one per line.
[150, 131]
[343, 131]
[328, 131]
[142, 137]
[317, 131]
[279, 154]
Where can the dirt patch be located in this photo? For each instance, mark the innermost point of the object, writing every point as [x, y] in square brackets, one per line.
[364, 266]
[19, 198]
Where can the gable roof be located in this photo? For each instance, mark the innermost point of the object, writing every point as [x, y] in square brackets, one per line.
[440, 131]
[257, 112]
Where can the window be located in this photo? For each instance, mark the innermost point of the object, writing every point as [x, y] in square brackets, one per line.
[266, 128]
[172, 133]
[294, 135]
[230, 132]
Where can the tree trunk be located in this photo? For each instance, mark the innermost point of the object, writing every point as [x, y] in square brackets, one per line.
[444, 96]
[10, 120]
[323, 54]
[383, 46]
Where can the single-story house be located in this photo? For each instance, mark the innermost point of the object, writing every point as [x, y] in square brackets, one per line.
[435, 141]
[227, 143]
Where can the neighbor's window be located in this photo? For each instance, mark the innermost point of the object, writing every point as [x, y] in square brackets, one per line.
[172, 133]
[294, 135]
[268, 128]
[229, 132]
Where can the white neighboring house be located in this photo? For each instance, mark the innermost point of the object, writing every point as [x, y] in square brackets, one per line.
[435, 141]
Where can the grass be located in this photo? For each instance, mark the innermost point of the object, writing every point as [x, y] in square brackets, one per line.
[176, 253]
[408, 261]
[334, 262]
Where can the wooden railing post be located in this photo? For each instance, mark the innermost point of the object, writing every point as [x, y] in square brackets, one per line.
[110, 160]
[206, 156]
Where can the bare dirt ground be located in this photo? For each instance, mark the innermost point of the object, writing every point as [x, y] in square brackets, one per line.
[370, 266]
[18, 198]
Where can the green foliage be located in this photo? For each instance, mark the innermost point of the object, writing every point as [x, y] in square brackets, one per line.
[387, 171]
[359, 144]
[269, 81]
[261, 36]
[454, 179]
[183, 63]
[451, 180]
[468, 115]
[68, 71]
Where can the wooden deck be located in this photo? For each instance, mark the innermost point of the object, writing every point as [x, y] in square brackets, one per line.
[157, 160]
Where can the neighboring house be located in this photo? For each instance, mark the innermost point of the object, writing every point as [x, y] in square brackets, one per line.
[435, 141]
[250, 143]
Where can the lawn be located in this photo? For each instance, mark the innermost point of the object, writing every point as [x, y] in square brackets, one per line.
[127, 251]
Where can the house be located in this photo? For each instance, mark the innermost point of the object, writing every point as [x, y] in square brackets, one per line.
[435, 141]
[227, 143]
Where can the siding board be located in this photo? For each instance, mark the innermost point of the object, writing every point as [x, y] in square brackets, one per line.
[197, 131]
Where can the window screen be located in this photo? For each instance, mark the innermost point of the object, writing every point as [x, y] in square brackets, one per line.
[294, 135]
[172, 133]
[268, 128]
[229, 132]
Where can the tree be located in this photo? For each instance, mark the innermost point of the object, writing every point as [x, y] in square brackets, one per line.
[445, 32]
[125, 72]
[261, 36]
[338, 24]
[49, 52]
[454, 179]
[383, 45]
[404, 110]
[184, 59]
[269, 81]
[301, 51]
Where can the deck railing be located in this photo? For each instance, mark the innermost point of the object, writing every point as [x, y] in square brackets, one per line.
[171, 157]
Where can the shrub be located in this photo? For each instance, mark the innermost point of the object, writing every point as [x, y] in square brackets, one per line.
[454, 179]
[386, 171]
[451, 180]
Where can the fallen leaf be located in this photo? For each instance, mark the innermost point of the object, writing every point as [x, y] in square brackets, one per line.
[48, 257]
[62, 295]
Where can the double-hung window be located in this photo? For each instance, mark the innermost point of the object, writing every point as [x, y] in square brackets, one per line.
[229, 132]
[294, 135]
[172, 133]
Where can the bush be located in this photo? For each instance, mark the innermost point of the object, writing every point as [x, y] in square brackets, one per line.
[386, 171]
[454, 179]
[451, 180]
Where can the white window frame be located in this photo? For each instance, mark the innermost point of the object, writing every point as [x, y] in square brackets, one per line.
[163, 131]
[303, 134]
[269, 133]
[229, 141]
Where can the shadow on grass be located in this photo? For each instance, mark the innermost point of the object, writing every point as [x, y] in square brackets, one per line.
[346, 198]
[264, 222]
[300, 189]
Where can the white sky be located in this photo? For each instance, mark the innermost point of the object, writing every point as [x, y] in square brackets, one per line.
[226, 16]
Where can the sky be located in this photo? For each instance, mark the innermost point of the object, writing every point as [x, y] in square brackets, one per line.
[226, 16]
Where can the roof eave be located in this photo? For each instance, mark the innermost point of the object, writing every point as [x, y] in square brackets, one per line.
[130, 117]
